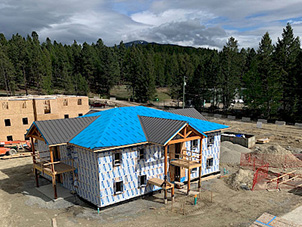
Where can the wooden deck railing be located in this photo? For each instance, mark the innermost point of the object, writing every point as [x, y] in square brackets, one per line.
[44, 163]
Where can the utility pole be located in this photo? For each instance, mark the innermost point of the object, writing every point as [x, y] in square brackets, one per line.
[183, 93]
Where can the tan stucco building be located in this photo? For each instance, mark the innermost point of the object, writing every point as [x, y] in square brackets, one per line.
[18, 113]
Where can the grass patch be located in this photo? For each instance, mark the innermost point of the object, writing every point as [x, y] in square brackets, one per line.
[162, 94]
[121, 92]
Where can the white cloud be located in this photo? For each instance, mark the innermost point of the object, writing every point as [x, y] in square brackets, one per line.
[199, 23]
[186, 33]
[171, 15]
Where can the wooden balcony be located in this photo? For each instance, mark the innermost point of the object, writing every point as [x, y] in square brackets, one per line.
[53, 168]
[187, 161]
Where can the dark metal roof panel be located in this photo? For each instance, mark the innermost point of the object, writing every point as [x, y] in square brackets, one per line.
[188, 112]
[92, 111]
[62, 130]
[160, 130]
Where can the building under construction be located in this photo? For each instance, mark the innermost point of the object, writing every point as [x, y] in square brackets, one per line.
[18, 112]
[114, 155]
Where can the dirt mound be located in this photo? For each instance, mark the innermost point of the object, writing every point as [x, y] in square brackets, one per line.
[226, 144]
[241, 149]
[277, 156]
[231, 153]
[242, 179]
[229, 156]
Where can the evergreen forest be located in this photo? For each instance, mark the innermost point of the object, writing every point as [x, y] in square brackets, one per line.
[268, 78]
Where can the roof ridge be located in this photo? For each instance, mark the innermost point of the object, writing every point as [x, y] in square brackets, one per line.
[66, 119]
[162, 118]
[169, 126]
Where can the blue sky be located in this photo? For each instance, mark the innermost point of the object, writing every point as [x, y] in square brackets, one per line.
[198, 23]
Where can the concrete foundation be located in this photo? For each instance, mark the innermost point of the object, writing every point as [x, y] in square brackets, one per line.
[48, 191]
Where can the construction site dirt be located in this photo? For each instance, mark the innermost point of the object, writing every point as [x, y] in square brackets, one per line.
[218, 204]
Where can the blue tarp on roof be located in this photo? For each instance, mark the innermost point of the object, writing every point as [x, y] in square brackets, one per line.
[121, 126]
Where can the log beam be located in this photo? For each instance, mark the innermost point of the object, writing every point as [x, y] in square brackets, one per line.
[166, 173]
[200, 162]
[189, 181]
[183, 140]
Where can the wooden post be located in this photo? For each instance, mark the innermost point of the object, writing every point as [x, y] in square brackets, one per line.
[36, 177]
[200, 161]
[172, 193]
[189, 179]
[33, 149]
[54, 186]
[34, 161]
[166, 172]
[53, 173]
[35, 110]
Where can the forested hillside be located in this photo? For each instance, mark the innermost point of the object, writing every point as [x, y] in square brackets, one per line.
[269, 77]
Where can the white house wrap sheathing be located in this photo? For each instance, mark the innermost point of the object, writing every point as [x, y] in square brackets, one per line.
[86, 178]
[128, 172]
[95, 174]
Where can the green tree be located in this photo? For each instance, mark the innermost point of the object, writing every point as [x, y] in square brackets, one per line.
[197, 87]
[6, 74]
[19, 56]
[286, 51]
[230, 72]
[140, 74]
[212, 73]
[270, 78]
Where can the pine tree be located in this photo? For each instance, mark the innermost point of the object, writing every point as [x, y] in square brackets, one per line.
[197, 88]
[88, 66]
[286, 51]
[298, 73]
[140, 74]
[212, 72]
[270, 78]
[19, 56]
[230, 72]
[7, 73]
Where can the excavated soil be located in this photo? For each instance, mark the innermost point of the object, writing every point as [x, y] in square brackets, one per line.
[230, 153]
[242, 179]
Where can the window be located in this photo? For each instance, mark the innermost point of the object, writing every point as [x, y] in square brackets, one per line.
[210, 163]
[25, 121]
[118, 187]
[79, 101]
[23, 105]
[66, 116]
[194, 170]
[5, 105]
[65, 102]
[141, 153]
[25, 137]
[194, 143]
[117, 159]
[9, 138]
[7, 122]
[80, 114]
[142, 181]
[211, 139]
[47, 107]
